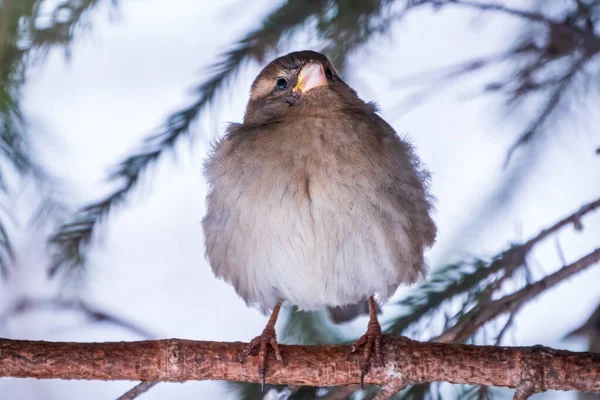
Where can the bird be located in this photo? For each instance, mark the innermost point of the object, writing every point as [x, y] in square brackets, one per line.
[315, 201]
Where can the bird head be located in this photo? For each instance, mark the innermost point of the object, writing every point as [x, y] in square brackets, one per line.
[298, 83]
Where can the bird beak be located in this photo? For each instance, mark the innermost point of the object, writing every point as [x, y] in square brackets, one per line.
[311, 76]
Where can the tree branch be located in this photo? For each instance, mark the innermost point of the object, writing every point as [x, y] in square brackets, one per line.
[137, 390]
[505, 263]
[574, 219]
[524, 391]
[407, 361]
[54, 305]
[510, 303]
[591, 39]
[389, 390]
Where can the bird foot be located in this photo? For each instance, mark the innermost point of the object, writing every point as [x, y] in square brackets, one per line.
[371, 341]
[268, 337]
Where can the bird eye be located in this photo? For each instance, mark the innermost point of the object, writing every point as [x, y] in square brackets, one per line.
[328, 73]
[281, 84]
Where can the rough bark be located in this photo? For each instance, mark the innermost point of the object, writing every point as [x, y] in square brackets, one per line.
[407, 362]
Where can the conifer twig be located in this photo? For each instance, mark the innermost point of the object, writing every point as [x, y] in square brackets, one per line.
[137, 390]
[471, 322]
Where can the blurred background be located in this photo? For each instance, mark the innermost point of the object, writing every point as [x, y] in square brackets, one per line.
[107, 109]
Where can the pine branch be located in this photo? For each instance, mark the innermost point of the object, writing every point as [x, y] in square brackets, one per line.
[351, 24]
[6, 249]
[413, 362]
[531, 16]
[308, 327]
[564, 39]
[20, 38]
[476, 393]
[451, 281]
[524, 390]
[554, 61]
[13, 139]
[14, 149]
[558, 93]
[505, 265]
[62, 23]
[137, 390]
[473, 320]
[93, 314]
[390, 389]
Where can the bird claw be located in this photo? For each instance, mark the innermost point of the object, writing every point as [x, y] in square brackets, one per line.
[356, 345]
[371, 341]
[267, 338]
[362, 380]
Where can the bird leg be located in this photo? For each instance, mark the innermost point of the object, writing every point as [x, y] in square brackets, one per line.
[371, 342]
[268, 337]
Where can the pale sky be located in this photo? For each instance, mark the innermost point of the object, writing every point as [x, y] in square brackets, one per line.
[128, 75]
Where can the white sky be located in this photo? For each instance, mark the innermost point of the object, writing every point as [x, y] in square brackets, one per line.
[127, 76]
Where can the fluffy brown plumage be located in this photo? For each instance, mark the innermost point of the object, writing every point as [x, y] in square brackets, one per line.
[314, 200]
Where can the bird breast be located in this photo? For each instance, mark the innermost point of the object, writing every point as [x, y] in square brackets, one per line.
[294, 215]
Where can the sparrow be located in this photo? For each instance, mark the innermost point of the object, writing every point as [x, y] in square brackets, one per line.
[314, 201]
